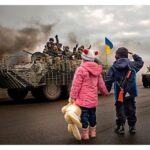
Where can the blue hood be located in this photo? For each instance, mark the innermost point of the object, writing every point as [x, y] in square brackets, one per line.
[121, 63]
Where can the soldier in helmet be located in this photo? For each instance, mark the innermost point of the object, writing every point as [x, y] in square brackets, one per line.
[45, 50]
[80, 49]
[52, 49]
[49, 47]
[51, 40]
[59, 46]
[66, 53]
[59, 50]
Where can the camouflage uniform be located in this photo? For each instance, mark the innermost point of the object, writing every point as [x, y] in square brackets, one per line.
[56, 58]
[66, 57]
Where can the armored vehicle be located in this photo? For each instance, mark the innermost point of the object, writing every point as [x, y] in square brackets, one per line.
[46, 77]
[146, 78]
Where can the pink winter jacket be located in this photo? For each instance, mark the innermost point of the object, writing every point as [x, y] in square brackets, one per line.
[86, 84]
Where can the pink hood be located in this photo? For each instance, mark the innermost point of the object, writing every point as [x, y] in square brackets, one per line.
[92, 67]
[86, 84]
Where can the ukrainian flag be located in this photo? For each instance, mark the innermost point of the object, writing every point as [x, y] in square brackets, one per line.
[108, 45]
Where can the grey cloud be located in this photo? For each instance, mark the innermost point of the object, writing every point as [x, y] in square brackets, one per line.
[86, 26]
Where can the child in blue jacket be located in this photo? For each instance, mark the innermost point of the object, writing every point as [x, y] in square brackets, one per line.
[117, 74]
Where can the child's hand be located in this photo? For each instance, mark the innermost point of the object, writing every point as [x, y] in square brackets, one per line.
[131, 53]
[71, 100]
[106, 94]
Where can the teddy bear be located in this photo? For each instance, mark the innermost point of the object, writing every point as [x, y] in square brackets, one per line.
[72, 114]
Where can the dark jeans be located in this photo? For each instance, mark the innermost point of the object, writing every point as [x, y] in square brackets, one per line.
[88, 117]
[126, 110]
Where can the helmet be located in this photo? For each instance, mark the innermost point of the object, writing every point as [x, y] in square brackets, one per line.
[51, 39]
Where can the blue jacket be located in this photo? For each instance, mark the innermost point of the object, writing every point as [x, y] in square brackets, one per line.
[118, 72]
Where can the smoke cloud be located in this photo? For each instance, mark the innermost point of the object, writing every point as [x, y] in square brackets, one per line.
[72, 38]
[28, 38]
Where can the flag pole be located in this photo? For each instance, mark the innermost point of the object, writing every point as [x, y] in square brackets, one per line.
[106, 60]
[106, 57]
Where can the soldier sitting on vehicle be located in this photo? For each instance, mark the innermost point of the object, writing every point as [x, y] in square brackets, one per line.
[59, 49]
[52, 49]
[66, 53]
[45, 50]
[74, 53]
[80, 52]
[51, 40]
[57, 55]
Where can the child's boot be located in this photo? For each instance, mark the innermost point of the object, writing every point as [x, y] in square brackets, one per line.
[85, 133]
[132, 129]
[92, 132]
[120, 129]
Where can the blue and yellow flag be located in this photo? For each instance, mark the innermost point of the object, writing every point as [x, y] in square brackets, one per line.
[108, 45]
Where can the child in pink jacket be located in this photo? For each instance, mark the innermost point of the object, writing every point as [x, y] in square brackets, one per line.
[84, 91]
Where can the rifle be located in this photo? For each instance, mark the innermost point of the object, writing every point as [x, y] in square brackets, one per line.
[75, 48]
[57, 40]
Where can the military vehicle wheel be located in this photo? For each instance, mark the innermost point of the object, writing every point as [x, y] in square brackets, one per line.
[52, 91]
[17, 94]
[145, 84]
[37, 93]
[145, 81]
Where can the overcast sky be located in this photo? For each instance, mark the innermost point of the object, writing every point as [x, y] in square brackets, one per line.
[124, 25]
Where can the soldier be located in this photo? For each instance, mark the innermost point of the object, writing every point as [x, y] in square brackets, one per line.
[80, 52]
[59, 50]
[45, 50]
[52, 49]
[66, 53]
[59, 46]
[51, 40]
[66, 57]
[81, 47]
[56, 57]
[75, 54]
[48, 58]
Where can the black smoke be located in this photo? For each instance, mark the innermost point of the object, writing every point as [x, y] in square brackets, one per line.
[28, 38]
